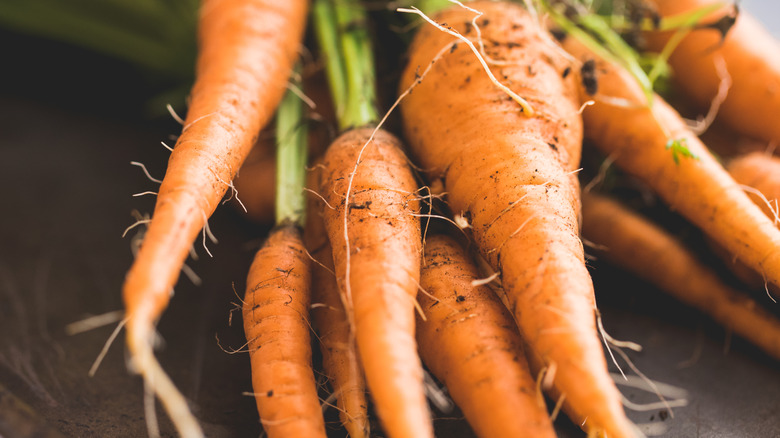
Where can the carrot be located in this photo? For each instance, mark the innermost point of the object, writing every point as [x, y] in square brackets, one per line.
[652, 143]
[759, 174]
[372, 225]
[276, 309]
[469, 341]
[751, 57]
[649, 252]
[246, 51]
[379, 272]
[277, 299]
[510, 174]
[340, 360]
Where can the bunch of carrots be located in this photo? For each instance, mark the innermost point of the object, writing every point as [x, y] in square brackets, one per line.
[452, 240]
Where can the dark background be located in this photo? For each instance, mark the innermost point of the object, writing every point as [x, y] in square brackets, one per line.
[70, 123]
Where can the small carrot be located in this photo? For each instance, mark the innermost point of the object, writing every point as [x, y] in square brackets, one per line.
[653, 143]
[246, 51]
[276, 309]
[372, 225]
[276, 303]
[340, 360]
[750, 56]
[469, 342]
[644, 249]
[509, 173]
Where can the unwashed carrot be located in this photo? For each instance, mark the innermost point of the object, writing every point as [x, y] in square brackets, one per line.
[510, 174]
[277, 299]
[651, 142]
[276, 314]
[629, 241]
[470, 342]
[370, 213]
[750, 55]
[246, 51]
[379, 271]
[340, 362]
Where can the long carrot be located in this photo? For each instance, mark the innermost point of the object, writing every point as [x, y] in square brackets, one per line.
[372, 226]
[469, 342]
[510, 174]
[750, 55]
[246, 51]
[654, 144]
[340, 362]
[641, 247]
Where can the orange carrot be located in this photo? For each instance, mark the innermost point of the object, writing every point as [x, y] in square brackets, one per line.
[469, 342]
[276, 309]
[510, 174]
[372, 224]
[637, 245]
[379, 270]
[654, 144]
[340, 361]
[247, 48]
[750, 55]
[759, 173]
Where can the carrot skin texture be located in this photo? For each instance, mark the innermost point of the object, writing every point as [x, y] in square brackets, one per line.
[649, 252]
[470, 342]
[243, 64]
[699, 188]
[384, 270]
[340, 360]
[511, 176]
[752, 58]
[275, 310]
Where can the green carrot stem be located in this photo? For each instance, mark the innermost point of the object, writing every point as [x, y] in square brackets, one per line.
[291, 156]
[350, 59]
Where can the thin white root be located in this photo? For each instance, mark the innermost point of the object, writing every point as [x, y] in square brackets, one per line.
[146, 172]
[148, 192]
[93, 369]
[152, 425]
[94, 322]
[700, 126]
[482, 281]
[166, 146]
[436, 395]
[170, 397]
[528, 111]
[301, 95]
[135, 224]
[173, 114]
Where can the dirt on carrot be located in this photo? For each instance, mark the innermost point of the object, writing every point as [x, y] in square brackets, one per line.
[276, 323]
[470, 342]
[627, 240]
[246, 51]
[510, 174]
[375, 236]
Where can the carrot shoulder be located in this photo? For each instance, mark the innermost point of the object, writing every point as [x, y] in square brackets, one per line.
[276, 323]
[246, 52]
[640, 138]
[646, 250]
[511, 176]
[751, 56]
[469, 342]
